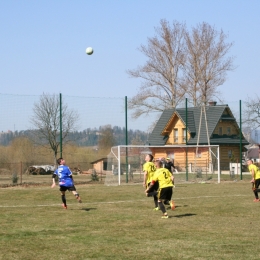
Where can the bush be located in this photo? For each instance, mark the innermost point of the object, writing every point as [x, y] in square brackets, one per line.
[15, 178]
[94, 176]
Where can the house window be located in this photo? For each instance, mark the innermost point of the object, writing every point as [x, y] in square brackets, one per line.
[228, 130]
[229, 154]
[184, 135]
[170, 155]
[220, 130]
[198, 153]
[176, 135]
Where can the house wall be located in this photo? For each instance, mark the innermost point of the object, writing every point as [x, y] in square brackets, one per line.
[227, 154]
[179, 156]
[98, 167]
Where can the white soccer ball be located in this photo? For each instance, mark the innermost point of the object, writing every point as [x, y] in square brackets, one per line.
[89, 51]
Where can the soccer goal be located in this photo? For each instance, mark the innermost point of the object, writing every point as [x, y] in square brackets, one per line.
[195, 163]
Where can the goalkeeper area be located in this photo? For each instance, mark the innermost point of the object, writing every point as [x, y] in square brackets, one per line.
[199, 163]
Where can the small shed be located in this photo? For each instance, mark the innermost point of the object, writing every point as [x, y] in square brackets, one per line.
[100, 165]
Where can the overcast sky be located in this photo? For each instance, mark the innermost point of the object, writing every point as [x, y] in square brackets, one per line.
[43, 43]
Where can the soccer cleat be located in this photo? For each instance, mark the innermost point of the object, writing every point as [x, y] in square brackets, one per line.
[64, 206]
[157, 208]
[256, 200]
[172, 205]
[165, 216]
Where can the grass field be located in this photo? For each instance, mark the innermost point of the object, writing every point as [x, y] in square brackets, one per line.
[211, 221]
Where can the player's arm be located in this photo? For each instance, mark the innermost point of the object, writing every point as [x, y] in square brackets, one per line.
[53, 180]
[145, 178]
[253, 175]
[150, 186]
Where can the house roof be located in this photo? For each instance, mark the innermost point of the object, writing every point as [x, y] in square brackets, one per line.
[197, 130]
[99, 160]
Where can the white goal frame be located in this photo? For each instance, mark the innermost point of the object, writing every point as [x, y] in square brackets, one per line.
[118, 158]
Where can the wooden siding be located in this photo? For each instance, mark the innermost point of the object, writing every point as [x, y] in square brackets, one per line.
[225, 125]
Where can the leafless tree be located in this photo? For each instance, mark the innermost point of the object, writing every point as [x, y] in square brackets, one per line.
[181, 64]
[206, 64]
[251, 113]
[46, 120]
[160, 88]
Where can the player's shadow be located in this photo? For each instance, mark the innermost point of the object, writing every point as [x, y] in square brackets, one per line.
[88, 209]
[184, 215]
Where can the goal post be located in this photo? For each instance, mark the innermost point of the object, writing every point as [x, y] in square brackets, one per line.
[201, 162]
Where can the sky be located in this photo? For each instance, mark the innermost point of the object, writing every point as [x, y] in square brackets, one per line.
[43, 44]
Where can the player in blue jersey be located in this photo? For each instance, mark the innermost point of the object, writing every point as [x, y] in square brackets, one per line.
[65, 181]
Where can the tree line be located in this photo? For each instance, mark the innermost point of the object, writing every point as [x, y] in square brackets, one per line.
[102, 136]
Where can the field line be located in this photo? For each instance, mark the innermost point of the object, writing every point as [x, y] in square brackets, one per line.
[118, 201]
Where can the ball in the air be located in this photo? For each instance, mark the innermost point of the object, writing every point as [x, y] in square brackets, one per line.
[89, 51]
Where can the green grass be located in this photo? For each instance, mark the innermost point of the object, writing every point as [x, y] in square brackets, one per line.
[211, 221]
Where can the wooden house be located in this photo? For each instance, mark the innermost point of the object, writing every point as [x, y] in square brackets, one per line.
[214, 125]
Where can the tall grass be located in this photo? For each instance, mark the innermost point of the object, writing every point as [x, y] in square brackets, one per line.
[211, 221]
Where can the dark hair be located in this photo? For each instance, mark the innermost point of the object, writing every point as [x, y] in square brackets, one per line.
[151, 157]
[59, 160]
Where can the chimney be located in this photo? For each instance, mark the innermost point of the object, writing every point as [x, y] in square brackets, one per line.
[212, 103]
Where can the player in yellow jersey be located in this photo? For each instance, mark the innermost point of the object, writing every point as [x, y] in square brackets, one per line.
[149, 170]
[165, 179]
[255, 172]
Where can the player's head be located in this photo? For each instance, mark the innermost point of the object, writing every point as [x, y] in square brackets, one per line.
[249, 161]
[148, 158]
[60, 161]
[158, 164]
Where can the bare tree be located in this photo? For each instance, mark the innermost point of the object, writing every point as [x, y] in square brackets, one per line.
[46, 120]
[181, 64]
[206, 64]
[251, 113]
[160, 88]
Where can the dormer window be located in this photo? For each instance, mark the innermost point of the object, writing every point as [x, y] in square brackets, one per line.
[228, 130]
[183, 135]
[176, 135]
[220, 131]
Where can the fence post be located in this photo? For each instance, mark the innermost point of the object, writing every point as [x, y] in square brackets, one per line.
[21, 172]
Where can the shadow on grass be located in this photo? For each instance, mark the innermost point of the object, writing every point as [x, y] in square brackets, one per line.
[184, 215]
[88, 209]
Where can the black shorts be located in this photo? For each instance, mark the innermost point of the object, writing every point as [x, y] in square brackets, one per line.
[257, 183]
[64, 188]
[165, 193]
[155, 187]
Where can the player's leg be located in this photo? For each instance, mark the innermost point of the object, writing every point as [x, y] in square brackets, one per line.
[153, 191]
[63, 197]
[162, 196]
[74, 191]
[256, 189]
[155, 196]
[171, 202]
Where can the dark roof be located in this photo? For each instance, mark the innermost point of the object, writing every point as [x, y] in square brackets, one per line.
[99, 160]
[155, 137]
[196, 114]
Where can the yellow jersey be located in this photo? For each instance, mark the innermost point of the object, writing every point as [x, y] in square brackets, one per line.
[256, 171]
[150, 168]
[163, 176]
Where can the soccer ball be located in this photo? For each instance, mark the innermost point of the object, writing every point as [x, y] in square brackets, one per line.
[89, 51]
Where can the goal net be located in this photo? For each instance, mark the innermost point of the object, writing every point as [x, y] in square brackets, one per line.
[194, 163]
